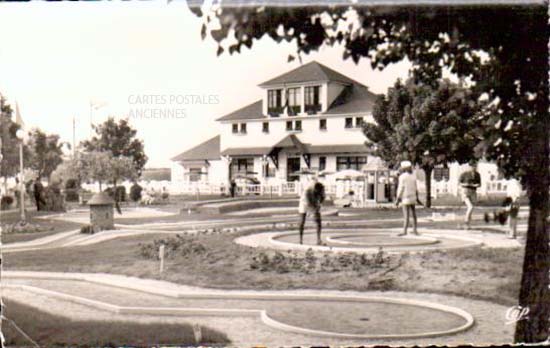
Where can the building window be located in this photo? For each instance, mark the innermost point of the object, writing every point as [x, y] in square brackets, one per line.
[242, 166]
[235, 128]
[297, 125]
[265, 127]
[350, 162]
[441, 173]
[293, 101]
[288, 125]
[322, 163]
[243, 128]
[313, 103]
[269, 171]
[359, 122]
[323, 124]
[349, 122]
[275, 102]
[194, 174]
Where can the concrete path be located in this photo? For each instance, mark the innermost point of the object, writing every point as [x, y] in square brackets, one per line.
[446, 239]
[92, 296]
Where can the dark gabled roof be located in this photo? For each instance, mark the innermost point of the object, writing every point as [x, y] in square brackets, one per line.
[321, 149]
[209, 150]
[252, 111]
[355, 98]
[291, 141]
[246, 151]
[309, 72]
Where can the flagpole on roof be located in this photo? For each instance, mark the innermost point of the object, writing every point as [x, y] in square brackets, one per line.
[21, 136]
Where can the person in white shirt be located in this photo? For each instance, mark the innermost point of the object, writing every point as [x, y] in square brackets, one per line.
[407, 195]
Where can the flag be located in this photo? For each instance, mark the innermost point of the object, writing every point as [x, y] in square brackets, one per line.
[19, 121]
[97, 104]
[18, 118]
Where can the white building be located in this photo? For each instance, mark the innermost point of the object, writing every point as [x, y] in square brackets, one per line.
[309, 118]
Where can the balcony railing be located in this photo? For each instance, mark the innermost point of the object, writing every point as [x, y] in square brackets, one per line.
[313, 109]
[294, 110]
[275, 111]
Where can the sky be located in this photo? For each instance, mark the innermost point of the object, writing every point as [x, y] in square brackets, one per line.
[133, 59]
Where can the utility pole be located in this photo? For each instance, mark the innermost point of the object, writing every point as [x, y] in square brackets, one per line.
[74, 136]
[1, 265]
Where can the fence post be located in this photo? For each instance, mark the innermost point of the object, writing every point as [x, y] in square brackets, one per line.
[161, 257]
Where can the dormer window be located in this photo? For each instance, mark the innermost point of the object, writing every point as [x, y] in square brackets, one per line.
[313, 103]
[265, 127]
[235, 127]
[274, 102]
[349, 122]
[323, 124]
[359, 122]
[243, 128]
[293, 101]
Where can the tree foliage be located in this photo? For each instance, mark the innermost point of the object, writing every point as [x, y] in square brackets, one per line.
[46, 152]
[10, 143]
[120, 140]
[96, 166]
[513, 77]
[426, 125]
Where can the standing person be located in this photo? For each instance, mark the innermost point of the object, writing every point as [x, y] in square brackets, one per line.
[470, 180]
[407, 194]
[37, 191]
[310, 202]
[232, 188]
[512, 199]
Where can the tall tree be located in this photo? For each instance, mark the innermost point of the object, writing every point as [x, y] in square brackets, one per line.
[514, 77]
[46, 152]
[10, 142]
[120, 140]
[426, 125]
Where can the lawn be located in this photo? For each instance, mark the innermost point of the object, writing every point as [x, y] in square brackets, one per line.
[49, 226]
[50, 330]
[214, 260]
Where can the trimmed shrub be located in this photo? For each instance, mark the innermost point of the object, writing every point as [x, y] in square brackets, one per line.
[6, 202]
[71, 184]
[135, 192]
[87, 229]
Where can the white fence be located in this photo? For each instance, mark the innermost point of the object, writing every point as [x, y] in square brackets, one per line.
[281, 189]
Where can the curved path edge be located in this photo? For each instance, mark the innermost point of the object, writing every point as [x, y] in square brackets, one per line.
[248, 295]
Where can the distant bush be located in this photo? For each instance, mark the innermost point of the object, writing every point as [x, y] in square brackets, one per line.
[6, 202]
[71, 195]
[135, 192]
[120, 193]
[71, 184]
[87, 229]
[71, 190]
[281, 262]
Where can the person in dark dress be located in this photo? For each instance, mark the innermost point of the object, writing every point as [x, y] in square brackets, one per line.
[38, 198]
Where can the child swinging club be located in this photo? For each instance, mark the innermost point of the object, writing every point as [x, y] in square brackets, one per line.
[310, 202]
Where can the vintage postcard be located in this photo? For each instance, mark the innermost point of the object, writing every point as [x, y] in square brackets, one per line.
[274, 173]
